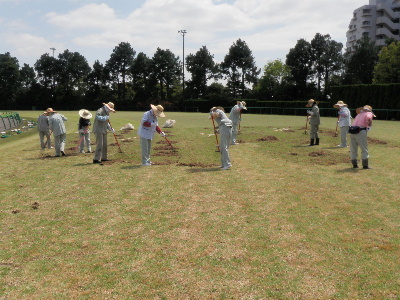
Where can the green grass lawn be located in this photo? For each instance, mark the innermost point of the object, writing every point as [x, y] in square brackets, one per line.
[286, 222]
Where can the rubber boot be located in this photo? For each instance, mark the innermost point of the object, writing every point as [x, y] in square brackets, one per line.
[311, 142]
[365, 164]
[354, 162]
[316, 141]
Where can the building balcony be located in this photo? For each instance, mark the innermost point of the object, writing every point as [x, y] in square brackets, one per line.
[384, 32]
[388, 23]
[382, 7]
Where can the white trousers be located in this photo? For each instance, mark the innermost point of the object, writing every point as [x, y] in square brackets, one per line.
[85, 139]
[225, 133]
[59, 143]
[101, 146]
[43, 143]
[145, 145]
[235, 127]
[359, 140]
[343, 135]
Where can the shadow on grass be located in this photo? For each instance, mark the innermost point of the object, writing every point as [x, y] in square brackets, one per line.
[132, 167]
[199, 170]
[350, 170]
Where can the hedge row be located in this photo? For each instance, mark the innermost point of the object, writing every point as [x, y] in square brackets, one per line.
[379, 96]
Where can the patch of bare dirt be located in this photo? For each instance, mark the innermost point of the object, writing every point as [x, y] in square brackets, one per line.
[376, 141]
[329, 132]
[269, 138]
[165, 142]
[317, 153]
[293, 153]
[165, 153]
[164, 147]
[328, 159]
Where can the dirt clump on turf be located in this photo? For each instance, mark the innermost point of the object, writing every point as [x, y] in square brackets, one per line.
[269, 138]
[376, 141]
[165, 153]
[317, 153]
[164, 147]
[165, 142]
[324, 158]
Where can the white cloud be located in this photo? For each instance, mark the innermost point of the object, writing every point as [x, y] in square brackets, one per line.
[270, 28]
[30, 46]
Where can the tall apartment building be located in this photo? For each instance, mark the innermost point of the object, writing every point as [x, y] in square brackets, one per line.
[378, 20]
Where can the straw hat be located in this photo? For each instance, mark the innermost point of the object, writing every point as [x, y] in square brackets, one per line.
[368, 108]
[49, 111]
[158, 110]
[311, 103]
[340, 104]
[110, 106]
[243, 105]
[84, 113]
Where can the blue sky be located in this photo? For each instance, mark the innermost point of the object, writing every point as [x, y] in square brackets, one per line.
[29, 28]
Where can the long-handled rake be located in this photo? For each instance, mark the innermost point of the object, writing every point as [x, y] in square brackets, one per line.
[305, 132]
[337, 124]
[80, 140]
[48, 137]
[216, 137]
[119, 147]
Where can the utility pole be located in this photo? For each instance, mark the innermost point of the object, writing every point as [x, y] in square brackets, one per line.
[183, 32]
[52, 81]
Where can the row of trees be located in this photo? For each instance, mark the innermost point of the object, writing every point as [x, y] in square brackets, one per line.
[126, 78]
[312, 68]
[133, 81]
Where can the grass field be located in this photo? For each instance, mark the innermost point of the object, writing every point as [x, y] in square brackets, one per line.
[286, 222]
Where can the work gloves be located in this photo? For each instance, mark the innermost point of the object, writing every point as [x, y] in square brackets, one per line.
[158, 129]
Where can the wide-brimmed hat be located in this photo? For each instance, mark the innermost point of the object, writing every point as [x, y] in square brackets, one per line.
[367, 108]
[49, 111]
[110, 106]
[243, 105]
[158, 110]
[339, 104]
[311, 102]
[84, 113]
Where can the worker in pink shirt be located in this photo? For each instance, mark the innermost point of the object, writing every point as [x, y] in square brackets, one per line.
[358, 138]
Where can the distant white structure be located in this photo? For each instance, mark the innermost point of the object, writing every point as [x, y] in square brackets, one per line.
[378, 20]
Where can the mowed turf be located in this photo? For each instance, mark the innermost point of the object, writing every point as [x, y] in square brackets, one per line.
[286, 222]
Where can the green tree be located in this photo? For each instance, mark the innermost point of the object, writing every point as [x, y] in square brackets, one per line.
[327, 59]
[387, 69]
[97, 83]
[360, 62]
[273, 81]
[72, 69]
[119, 67]
[9, 79]
[166, 71]
[202, 68]
[299, 60]
[46, 72]
[143, 84]
[239, 68]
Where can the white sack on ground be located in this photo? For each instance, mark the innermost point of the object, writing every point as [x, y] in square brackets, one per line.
[169, 123]
[128, 126]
